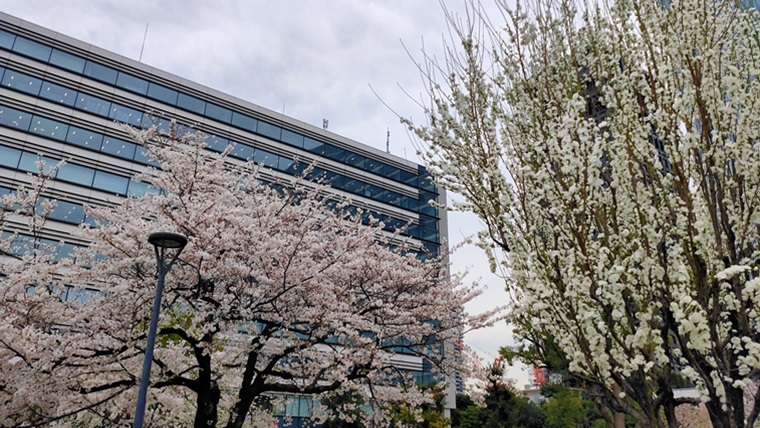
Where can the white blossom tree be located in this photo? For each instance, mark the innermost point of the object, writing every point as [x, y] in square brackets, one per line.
[275, 294]
[610, 148]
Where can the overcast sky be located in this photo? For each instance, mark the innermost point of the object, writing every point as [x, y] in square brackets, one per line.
[312, 60]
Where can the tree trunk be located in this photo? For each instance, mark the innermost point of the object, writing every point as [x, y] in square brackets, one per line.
[207, 412]
[721, 418]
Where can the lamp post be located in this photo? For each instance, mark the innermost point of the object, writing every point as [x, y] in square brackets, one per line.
[161, 242]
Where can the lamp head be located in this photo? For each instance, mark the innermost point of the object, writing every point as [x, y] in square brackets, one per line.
[168, 240]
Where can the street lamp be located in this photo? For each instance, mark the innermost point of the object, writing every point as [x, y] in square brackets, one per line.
[161, 242]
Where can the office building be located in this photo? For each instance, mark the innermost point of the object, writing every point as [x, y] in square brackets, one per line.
[62, 99]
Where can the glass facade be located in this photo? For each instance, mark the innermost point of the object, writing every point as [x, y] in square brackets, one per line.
[39, 125]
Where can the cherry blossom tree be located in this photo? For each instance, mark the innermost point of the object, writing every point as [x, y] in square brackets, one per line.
[610, 149]
[276, 294]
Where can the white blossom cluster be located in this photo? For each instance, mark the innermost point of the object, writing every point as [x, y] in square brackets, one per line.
[611, 149]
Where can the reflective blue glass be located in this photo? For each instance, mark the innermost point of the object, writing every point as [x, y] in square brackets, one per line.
[295, 168]
[284, 164]
[391, 172]
[57, 93]
[67, 61]
[48, 128]
[110, 182]
[9, 157]
[132, 83]
[162, 93]
[29, 161]
[84, 137]
[100, 72]
[335, 153]
[32, 49]
[244, 122]
[373, 166]
[409, 178]
[292, 138]
[266, 158]
[125, 114]
[141, 156]
[269, 130]
[242, 151]
[355, 160]
[76, 174]
[191, 103]
[138, 188]
[119, 148]
[93, 104]
[14, 118]
[6, 40]
[313, 145]
[21, 82]
[219, 113]
[217, 144]
[161, 124]
[68, 212]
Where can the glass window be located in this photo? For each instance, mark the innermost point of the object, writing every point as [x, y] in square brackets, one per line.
[354, 186]
[335, 153]
[191, 103]
[93, 104]
[81, 295]
[372, 165]
[14, 118]
[426, 184]
[242, 151]
[284, 164]
[22, 82]
[100, 72]
[132, 83]
[264, 157]
[391, 172]
[408, 178]
[76, 174]
[138, 188]
[57, 93]
[125, 114]
[313, 146]
[67, 61]
[244, 122]
[110, 182]
[32, 49]
[119, 148]
[48, 128]
[217, 144]
[141, 156]
[162, 93]
[6, 40]
[269, 130]
[84, 137]
[29, 162]
[355, 160]
[295, 168]
[219, 113]
[161, 124]
[68, 212]
[9, 157]
[292, 138]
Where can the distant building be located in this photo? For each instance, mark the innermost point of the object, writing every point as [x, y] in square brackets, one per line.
[61, 98]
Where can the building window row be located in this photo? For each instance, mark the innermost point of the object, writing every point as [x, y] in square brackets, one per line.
[89, 68]
[71, 134]
[72, 173]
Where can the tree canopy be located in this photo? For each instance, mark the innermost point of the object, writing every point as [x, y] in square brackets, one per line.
[276, 293]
